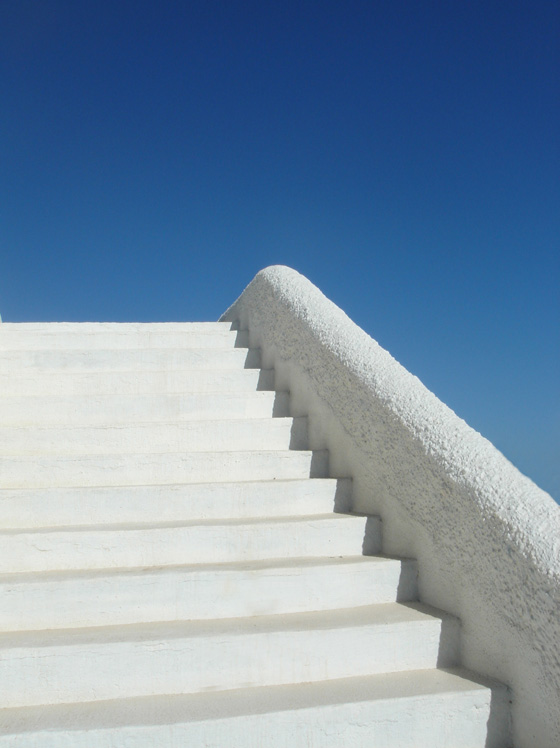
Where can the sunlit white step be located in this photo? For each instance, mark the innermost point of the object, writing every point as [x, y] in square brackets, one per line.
[99, 336]
[115, 409]
[117, 360]
[56, 328]
[165, 468]
[417, 709]
[137, 381]
[202, 591]
[167, 544]
[192, 436]
[72, 665]
[94, 505]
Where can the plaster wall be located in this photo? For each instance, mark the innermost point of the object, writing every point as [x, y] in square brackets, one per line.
[486, 538]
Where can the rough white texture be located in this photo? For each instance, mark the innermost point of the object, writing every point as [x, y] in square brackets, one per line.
[487, 539]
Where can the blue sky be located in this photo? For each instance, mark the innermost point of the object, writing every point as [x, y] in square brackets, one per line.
[404, 156]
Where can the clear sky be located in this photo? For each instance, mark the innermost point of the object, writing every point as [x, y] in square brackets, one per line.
[404, 156]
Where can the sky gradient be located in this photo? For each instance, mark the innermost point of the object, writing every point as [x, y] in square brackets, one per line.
[404, 156]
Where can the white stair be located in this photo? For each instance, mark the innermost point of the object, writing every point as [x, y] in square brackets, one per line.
[94, 409]
[178, 569]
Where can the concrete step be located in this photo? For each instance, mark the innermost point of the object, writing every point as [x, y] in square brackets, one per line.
[156, 469]
[117, 360]
[418, 709]
[56, 328]
[234, 434]
[63, 383]
[202, 542]
[67, 336]
[94, 505]
[116, 409]
[75, 665]
[202, 591]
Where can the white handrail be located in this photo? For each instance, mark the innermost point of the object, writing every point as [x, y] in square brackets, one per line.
[487, 539]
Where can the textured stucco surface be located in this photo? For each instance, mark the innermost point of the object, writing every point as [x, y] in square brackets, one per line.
[487, 539]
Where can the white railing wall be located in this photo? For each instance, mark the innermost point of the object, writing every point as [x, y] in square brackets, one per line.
[487, 539]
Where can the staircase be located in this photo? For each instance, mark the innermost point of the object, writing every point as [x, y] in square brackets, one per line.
[179, 570]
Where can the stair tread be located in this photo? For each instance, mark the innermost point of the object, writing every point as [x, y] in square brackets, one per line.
[109, 360]
[385, 614]
[172, 543]
[169, 525]
[201, 591]
[192, 424]
[168, 709]
[234, 434]
[147, 370]
[277, 564]
[26, 354]
[109, 398]
[85, 505]
[125, 327]
[132, 337]
[143, 454]
[57, 383]
[177, 487]
[164, 467]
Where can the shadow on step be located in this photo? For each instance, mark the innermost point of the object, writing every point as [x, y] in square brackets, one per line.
[319, 467]
[253, 358]
[266, 380]
[343, 496]
[371, 544]
[242, 339]
[499, 721]
[407, 587]
[281, 409]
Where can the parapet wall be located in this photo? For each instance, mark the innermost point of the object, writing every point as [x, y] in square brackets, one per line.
[487, 539]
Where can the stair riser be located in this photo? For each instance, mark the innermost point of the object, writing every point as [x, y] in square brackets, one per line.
[212, 543]
[22, 361]
[139, 382]
[159, 469]
[79, 341]
[188, 436]
[177, 594]
[431, 721]
[93, 671]
[120, 505]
